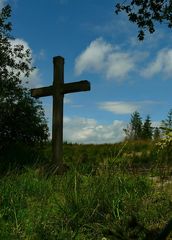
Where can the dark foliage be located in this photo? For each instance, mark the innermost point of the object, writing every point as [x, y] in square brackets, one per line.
[21, 117]
[146, 13]
[143, 130]
[166, 125]
[156, 133]
[147, 129]
[134, 128]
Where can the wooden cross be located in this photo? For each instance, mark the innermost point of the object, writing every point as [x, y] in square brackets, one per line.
[57, 91]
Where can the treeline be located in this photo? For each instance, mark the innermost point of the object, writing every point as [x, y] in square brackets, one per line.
[139, 129]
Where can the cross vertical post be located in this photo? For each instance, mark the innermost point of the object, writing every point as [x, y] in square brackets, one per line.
[57, 123]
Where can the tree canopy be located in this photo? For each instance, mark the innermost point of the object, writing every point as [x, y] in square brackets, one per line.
[146, 13]
[21, 117]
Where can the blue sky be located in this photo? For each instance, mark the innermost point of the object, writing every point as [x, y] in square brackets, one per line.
[125, 75]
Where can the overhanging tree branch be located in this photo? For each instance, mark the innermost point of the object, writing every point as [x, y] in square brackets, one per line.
[146, 13]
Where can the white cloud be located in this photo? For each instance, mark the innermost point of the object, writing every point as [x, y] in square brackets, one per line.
[119, 65]
[35, 79]
[162, 64]
[19, 41]
[102, 57]
[83, 130]
[119, 107]
[93, 58]
[67, 100]
[156, 124]
[41, 55]
[2, 3]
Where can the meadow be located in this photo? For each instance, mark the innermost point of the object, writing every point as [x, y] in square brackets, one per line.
[110, 191]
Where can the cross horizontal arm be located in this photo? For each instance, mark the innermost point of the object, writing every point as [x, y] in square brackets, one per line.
[42, 92]
[76, 87]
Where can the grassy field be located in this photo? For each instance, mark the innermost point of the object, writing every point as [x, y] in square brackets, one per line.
[119, 191]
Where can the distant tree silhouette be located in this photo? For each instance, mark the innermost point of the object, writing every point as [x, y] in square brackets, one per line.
[147, 129]
[156, 133]
[166, 125]
[134, 128]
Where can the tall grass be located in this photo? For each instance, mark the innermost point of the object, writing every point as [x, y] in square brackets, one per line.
[77, 206]
[98, 198]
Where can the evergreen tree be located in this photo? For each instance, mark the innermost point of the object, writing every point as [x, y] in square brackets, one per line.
[134, 129]
[147, 130]
[156, 133]
[166, 125]
[21, 117]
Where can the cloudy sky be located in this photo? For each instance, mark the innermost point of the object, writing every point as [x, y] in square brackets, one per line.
[125, 75]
